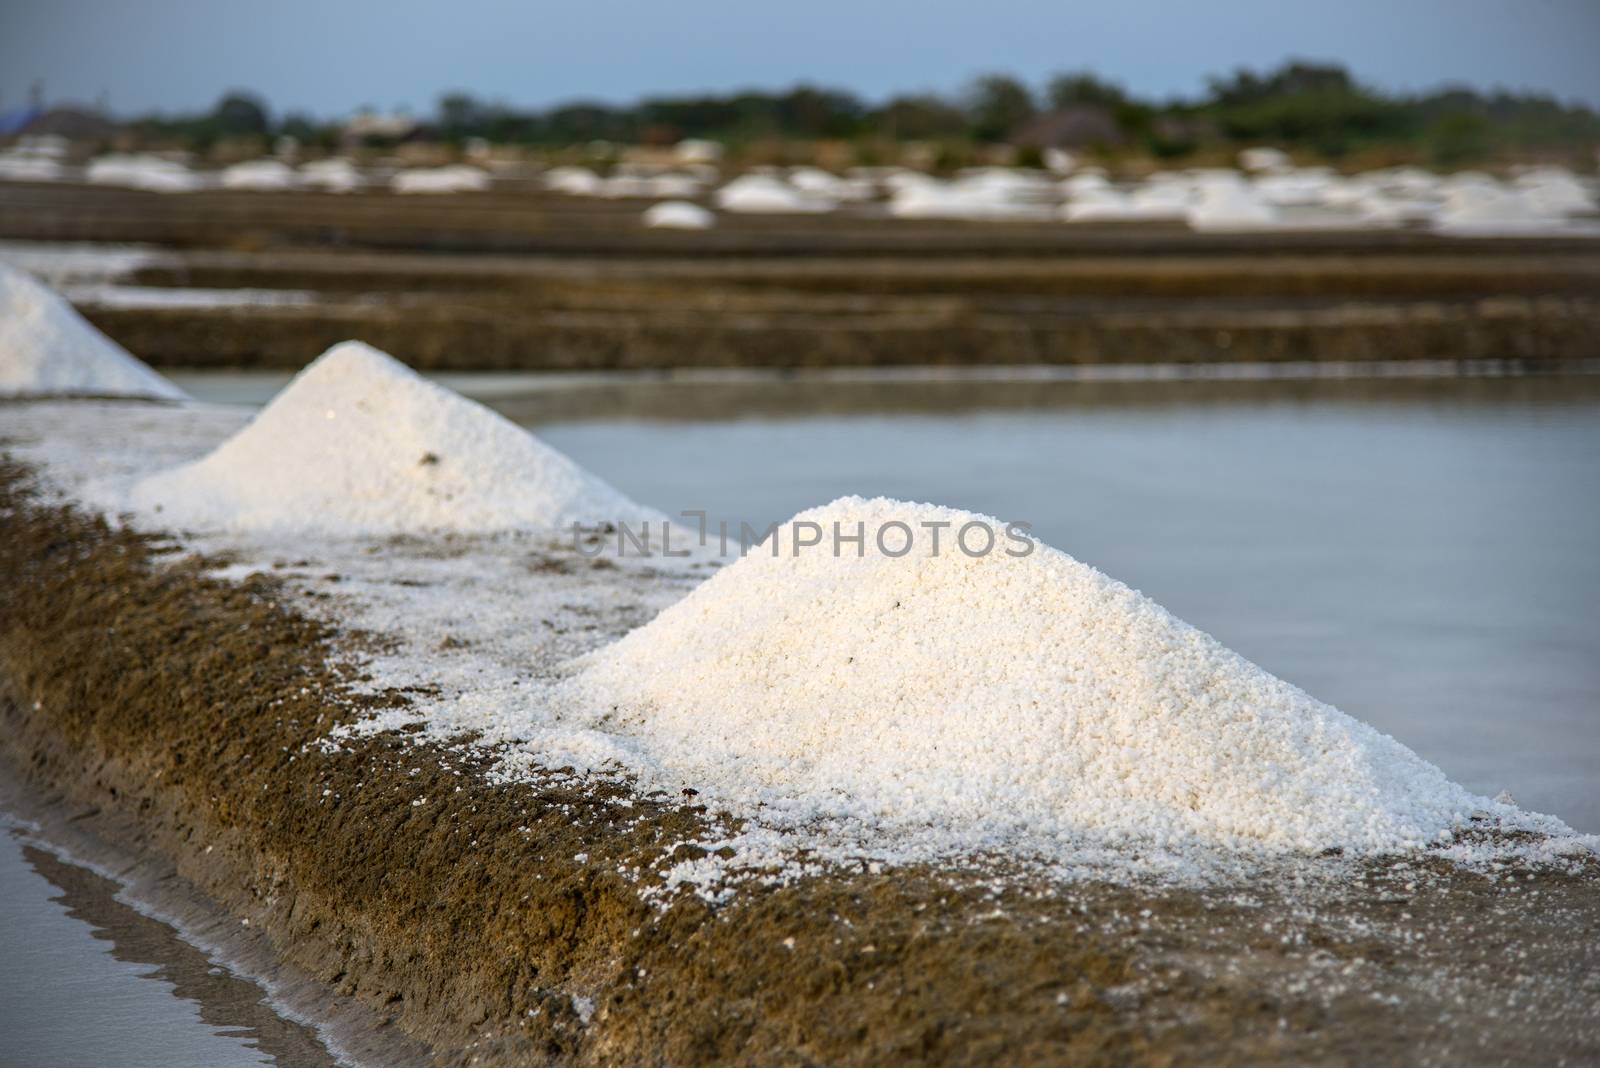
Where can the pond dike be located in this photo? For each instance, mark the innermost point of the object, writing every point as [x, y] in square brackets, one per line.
[157, 714]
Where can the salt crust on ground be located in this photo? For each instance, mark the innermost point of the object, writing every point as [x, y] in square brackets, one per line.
[48, 348]
[358, 443]
[484, 633]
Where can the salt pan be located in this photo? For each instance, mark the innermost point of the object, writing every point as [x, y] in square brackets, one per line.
[358, 443]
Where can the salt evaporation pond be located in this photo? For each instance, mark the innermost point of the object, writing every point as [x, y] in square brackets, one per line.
[1417, 553]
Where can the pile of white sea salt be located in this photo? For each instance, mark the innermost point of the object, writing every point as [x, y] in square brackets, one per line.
[48, 348]
[359, 444]
[978, 701]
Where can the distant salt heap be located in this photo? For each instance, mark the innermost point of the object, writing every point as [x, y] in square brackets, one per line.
[993, 700]
[678, 215]
[1155, 203]
[1225, 203]
[987, 193]
[759, 194]
[260, 176]
[456, 178]
[335, 175]
[359, 444]
[574, 181]
[34, 158]
[1492, 211]
[150, 173]
[48, 348]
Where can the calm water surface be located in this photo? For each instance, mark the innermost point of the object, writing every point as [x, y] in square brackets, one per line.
[87, 981]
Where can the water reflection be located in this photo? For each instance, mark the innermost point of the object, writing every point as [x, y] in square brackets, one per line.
[66, 1006]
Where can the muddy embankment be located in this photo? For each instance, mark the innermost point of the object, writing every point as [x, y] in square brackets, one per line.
[178, 717]
[534, 281]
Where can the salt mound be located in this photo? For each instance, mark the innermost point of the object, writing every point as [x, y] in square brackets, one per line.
[1495, 212]
[759, 194]
[818, 182]
[27, 167]
[260, 175]
[574, 181]
[335, 175]
[150, 173]
[979, 196]
[358, 443]
[993, 699]
[678, 215]
[1158, 203]
[48, 348]
[1225, 205]
[456, 178]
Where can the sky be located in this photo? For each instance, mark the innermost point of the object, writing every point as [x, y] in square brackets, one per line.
[329, 57]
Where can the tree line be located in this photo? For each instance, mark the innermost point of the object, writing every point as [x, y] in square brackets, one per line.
[1316, 107]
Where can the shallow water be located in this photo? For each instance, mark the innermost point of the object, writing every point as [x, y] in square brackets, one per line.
[86, 980]
[1419, 550]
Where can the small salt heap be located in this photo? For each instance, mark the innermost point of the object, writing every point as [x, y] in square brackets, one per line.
[1494, 211]
[678, 215]
[759, 194]
[574, 181]
[335, 175]
[48, 348]
[151, 173]
[360, 444]
[1227, 204]
[260, 176]
[992, 700]
[456, 178]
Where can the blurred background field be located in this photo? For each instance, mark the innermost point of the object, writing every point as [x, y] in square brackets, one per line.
[1290, 213]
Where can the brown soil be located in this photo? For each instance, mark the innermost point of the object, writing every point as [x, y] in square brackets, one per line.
[184, 712]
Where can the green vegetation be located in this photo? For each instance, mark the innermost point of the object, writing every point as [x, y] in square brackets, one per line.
[1314, 109]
